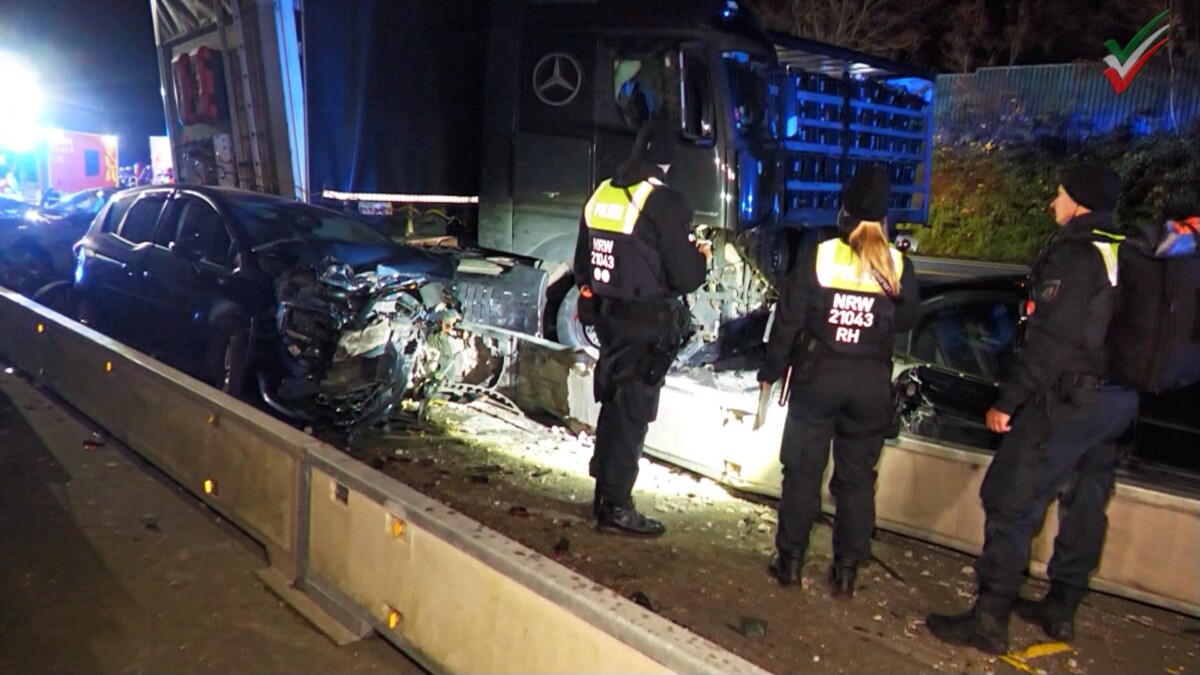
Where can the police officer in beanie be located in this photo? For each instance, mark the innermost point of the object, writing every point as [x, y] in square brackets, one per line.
[837, 312]
[1061, 417]
[634, 260]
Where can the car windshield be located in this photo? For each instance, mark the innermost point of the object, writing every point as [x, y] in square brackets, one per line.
[267, 220]
[10, 207]
[751, 104]
[86, 201]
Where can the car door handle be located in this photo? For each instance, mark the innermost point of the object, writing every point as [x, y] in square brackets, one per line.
[111, 261]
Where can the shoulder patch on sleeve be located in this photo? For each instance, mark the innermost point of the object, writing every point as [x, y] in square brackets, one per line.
[1049, 290]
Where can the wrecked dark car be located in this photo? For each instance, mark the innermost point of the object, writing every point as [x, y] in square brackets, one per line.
[950, 364]
[36, 241]
[308, 310]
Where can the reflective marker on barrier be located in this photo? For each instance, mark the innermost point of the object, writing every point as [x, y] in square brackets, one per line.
[398, 527]
[108, 366]
[341, 493]
[210, 486]
[212, 420]
[393, 617]
[41, 328]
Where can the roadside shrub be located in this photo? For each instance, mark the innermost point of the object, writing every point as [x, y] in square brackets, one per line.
[991, 202]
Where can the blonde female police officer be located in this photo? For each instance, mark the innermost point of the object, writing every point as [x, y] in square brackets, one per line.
[841, 304]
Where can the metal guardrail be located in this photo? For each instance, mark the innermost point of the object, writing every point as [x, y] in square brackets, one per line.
[354, 550]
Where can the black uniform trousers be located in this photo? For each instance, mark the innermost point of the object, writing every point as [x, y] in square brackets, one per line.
[1061, 444]
[846, 401]
[628, 398]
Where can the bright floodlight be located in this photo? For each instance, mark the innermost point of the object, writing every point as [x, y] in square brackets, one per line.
[22, 109]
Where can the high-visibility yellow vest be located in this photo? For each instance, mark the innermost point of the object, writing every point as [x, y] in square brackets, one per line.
[850, 312]
[623, 266]
[837, 268]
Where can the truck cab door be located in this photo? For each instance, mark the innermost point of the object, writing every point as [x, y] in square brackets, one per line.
[700, 172]
[552, 153]
[662, 82]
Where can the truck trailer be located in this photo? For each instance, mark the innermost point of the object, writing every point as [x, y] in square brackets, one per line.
[493, 120]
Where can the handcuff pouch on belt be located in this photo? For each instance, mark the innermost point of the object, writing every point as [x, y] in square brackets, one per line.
[1069, 383]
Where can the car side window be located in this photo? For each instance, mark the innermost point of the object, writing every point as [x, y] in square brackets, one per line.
[971, 337]
[115, 214]
[200, 226]
[139, 223]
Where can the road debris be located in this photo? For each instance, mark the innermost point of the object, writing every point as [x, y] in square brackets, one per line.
[752, 627]
[643, 600]
[562, 547]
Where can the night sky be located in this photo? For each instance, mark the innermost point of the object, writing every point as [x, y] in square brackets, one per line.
[97, 64]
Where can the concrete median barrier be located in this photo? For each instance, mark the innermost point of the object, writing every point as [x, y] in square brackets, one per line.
[347, 545]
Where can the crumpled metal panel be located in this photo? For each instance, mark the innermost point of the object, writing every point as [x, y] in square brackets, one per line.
[176, 18]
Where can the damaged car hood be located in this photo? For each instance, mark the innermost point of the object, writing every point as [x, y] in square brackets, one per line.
[404, 261]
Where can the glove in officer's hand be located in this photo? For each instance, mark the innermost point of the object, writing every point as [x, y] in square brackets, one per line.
[998, 421]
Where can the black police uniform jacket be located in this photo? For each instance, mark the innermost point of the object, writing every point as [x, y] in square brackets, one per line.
[841, 310]
[651, 257]
[1072, 293]
[638, 272]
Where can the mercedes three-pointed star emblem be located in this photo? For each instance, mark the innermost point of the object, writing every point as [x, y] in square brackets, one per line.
[557, 79]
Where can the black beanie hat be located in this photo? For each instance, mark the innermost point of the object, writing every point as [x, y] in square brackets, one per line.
[1093, 186]
[655, 143]
[867, 195]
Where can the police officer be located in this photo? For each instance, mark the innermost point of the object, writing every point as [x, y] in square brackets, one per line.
[1062, 419]
[634, 260]
[837, 312]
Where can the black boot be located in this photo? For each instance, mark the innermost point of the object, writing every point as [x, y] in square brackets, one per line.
[985, 627]
[841, 578]
[626, 520]
[785, 567]
[1055, 613]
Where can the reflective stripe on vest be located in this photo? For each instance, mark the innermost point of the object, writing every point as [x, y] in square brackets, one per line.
[836, 268]
[610, 210]
[1108, 253]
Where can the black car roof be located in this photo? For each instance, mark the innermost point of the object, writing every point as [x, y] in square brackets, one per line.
[217, 192]
[1002, 283]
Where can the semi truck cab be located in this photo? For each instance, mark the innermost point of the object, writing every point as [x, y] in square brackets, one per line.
[503, 115]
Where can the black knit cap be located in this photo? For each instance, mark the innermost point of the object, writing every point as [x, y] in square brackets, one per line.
[655, 143]
[867, 195]
[1092, 186]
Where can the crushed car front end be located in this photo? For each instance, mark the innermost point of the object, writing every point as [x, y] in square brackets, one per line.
[350, 345]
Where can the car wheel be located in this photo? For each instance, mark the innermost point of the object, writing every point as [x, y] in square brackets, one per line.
[571, 332]
[25, 269]
[227, 365]
[58, 296]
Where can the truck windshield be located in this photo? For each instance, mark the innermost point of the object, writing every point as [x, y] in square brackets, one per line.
[751, 103]
[266, 220]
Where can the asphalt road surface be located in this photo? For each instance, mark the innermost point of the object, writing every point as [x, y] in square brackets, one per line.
[107, 566]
